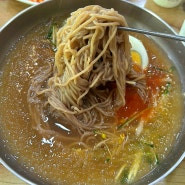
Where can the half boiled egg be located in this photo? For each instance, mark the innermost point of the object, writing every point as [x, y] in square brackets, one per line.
[138, 52]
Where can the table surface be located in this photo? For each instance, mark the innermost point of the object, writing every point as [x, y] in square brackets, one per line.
[174, 17]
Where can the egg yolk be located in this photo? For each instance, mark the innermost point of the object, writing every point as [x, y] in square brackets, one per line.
[136, 57]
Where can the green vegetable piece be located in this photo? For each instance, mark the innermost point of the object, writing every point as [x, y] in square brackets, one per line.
[167, 88]
[51, 36]
[149, 144]
[124, 178]
[172, 69]
[152, 158]
[107, 160]
[50, 32]
[132, 118]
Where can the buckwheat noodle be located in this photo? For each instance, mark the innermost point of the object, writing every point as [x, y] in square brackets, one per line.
[86, 83]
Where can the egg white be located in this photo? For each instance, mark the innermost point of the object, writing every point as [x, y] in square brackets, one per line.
[137, 45]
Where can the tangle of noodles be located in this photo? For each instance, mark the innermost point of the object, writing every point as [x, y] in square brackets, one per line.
[87, 81]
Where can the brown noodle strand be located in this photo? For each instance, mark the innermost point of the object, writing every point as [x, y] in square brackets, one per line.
[87, 82]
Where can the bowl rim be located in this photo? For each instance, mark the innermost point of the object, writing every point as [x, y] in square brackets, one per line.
[132, 4]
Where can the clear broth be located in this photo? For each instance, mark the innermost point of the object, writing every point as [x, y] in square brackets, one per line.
[55, 162]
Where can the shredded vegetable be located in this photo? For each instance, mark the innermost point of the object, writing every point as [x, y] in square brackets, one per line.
[52, 34]
[132, 118]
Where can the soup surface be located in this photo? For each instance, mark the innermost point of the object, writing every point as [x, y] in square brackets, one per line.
[139, 140]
